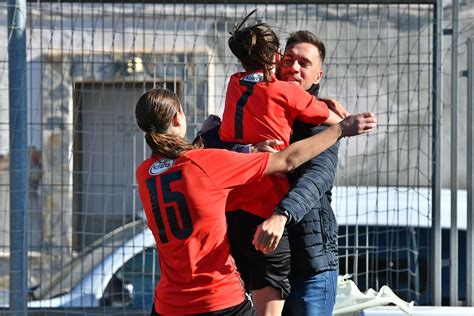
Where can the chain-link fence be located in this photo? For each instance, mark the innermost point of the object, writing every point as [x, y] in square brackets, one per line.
[88, 62]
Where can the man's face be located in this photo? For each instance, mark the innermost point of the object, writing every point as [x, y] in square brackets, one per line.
[301, 65]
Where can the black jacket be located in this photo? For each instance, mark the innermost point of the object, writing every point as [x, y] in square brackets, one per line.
[312, 228]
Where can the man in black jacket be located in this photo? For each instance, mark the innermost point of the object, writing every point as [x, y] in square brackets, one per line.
[311, 223]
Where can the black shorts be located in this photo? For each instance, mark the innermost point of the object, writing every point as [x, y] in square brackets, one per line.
[258, 270]
[243, 309]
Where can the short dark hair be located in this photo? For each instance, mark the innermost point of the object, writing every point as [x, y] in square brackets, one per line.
[307, 37]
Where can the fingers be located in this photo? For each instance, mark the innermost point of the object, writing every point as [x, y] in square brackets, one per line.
[370, 126]
[345, 114]
[369, 117]
[370, 121]
[265, 245]
[358, 124]
[273, 244]
[259, 238]
[365, 129]
[268, 149]
[336, 107]
[341, 111]
[260, 244]
[368, 114]
[264, 241]
[267, 145]
[273, 142]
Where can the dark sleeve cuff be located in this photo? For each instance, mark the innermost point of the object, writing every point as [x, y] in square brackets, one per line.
[241, 148]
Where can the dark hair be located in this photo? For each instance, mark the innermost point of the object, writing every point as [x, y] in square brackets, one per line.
[307, 37]
[154, 112]
[255, 46]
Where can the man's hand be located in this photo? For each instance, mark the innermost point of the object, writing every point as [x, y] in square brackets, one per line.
[269, 233]
[358, 124]
[336, 107]
[266, 146]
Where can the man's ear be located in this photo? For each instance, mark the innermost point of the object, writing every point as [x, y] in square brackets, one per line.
[319, 76]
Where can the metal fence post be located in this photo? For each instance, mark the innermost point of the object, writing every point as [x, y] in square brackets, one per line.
[454, 263]
[18, 155]
[470, 174]
[436, 152]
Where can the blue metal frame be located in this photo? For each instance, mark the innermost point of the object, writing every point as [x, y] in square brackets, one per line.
[18, 155]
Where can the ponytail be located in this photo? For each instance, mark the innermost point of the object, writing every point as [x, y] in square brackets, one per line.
[166, 145]
[154, 113]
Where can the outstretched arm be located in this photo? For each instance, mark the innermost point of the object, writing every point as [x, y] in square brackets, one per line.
[298, 153]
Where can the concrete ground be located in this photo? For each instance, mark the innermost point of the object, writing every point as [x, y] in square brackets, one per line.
[419, 310]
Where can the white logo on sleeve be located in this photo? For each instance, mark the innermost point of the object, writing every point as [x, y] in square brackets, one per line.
[161, 166]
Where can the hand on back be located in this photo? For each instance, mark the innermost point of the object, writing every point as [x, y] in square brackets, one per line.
[336, 107]
[266, 146]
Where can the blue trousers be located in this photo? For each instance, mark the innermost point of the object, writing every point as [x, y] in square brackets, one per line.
[313, 296]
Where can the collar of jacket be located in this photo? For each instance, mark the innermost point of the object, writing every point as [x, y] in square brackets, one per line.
[314, 89]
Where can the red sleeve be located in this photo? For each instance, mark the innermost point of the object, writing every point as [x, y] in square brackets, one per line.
[229, 169]
[305, 106]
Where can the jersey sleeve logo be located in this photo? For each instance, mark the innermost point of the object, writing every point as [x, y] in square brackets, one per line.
[161, 166]
[255, 77]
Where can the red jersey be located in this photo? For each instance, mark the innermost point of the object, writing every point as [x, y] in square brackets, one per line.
[256, 111]
[184, 202]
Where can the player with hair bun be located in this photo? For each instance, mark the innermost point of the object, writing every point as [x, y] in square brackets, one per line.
[260, 107]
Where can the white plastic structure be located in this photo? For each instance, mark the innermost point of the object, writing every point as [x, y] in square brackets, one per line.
[350, 300]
